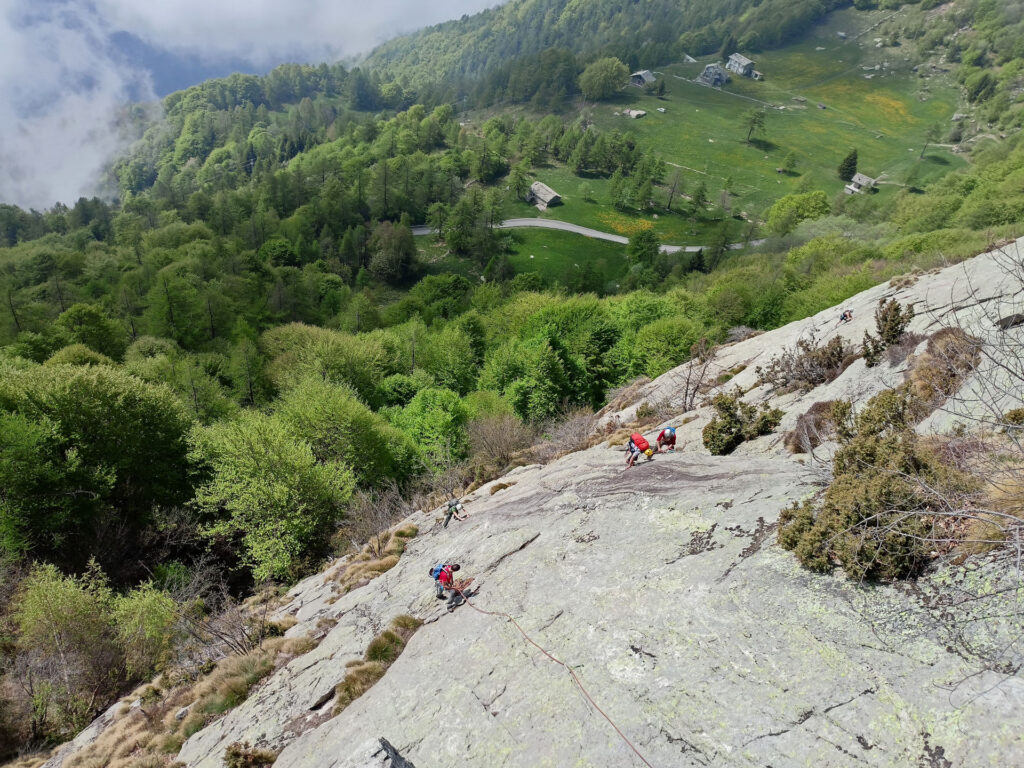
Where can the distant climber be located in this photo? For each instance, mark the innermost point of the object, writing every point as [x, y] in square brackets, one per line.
[637, 444]
[667, 439]
[846, 316]
[444, 580]
[454, 508]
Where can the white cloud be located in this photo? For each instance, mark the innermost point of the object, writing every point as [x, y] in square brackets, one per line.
[266, 31]
[59, 97]
[61, 82]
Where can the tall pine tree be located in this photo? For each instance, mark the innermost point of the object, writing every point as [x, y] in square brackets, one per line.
[849, 166]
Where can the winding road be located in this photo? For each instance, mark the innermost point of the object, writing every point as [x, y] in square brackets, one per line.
[564, 226]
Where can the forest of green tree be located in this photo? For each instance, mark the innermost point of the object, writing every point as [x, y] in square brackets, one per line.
[213, 367]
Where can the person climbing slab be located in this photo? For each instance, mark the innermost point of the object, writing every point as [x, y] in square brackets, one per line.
[637, 445]
[444, 581]
[667, 439]
[454, 508]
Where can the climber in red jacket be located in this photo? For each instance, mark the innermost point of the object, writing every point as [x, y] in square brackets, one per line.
[637, 444]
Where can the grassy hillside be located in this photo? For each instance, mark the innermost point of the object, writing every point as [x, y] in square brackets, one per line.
[702, 131]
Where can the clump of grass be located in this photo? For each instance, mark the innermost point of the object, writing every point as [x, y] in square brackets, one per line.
[147, 736]
[812, 428]
[899, 351]
[624, 396]
[937, 373]
[380, 654]
[368, 564]
[243, 755]
[500, 487]
[359, 678]
[619, 437]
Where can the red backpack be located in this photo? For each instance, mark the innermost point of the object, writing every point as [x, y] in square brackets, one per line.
[639, 441]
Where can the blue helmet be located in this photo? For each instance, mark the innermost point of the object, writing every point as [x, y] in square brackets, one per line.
[671, 430]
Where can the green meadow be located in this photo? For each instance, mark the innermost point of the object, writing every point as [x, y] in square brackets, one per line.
[703, 131]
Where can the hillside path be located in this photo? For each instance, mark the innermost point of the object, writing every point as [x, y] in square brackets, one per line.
[597, 234]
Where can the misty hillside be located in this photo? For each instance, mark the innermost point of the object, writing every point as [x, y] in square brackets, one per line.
[236, 394]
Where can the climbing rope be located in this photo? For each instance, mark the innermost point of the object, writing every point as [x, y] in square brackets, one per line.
[572, 674]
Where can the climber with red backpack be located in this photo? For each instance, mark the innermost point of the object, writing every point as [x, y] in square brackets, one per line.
[443, 575]
[637, 444]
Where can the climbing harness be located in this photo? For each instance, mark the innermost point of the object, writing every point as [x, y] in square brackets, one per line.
[572, 674]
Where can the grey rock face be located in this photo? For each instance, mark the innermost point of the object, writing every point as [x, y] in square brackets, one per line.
[976, 296]
[663, 589]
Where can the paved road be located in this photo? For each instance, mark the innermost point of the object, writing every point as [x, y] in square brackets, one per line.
[597, 234]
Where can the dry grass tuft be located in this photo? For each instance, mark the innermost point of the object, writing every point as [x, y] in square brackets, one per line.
[243, 755]
[905, 281]
[500, 487]
[380, 654]
[149, 736]
[285, 623]
[619, 437]
[898, 352]
[359, 678]
[1015, 418]
[365, 566]
[656, 413]
[812, 428]
[937, 373]
[572, 432]
[29, 761]
[741, 333]
[624, 396]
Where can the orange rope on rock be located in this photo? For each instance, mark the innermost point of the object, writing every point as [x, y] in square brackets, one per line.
[561, 663]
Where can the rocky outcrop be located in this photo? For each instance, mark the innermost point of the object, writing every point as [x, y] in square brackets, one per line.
[977, 296]
[662, 589]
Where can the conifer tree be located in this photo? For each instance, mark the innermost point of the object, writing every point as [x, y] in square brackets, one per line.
[848, 167]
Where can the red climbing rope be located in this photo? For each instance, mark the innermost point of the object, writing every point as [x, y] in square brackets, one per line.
[583, 690]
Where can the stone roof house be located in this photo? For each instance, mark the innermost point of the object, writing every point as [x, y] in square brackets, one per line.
[713, 75]
[542, 195]
[859, 183]
[741, 65]
[642, 78]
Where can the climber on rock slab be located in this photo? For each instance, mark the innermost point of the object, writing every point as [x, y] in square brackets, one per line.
[454, 508]
[444, 581]
[637, 445]
[666, 440]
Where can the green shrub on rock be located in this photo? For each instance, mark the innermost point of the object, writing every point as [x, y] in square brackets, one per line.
[891, 321]
[877, 518]
[736, 421]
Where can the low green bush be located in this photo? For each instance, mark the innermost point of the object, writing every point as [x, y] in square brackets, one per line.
[736, 421]
[891, 321]
[877, 519]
